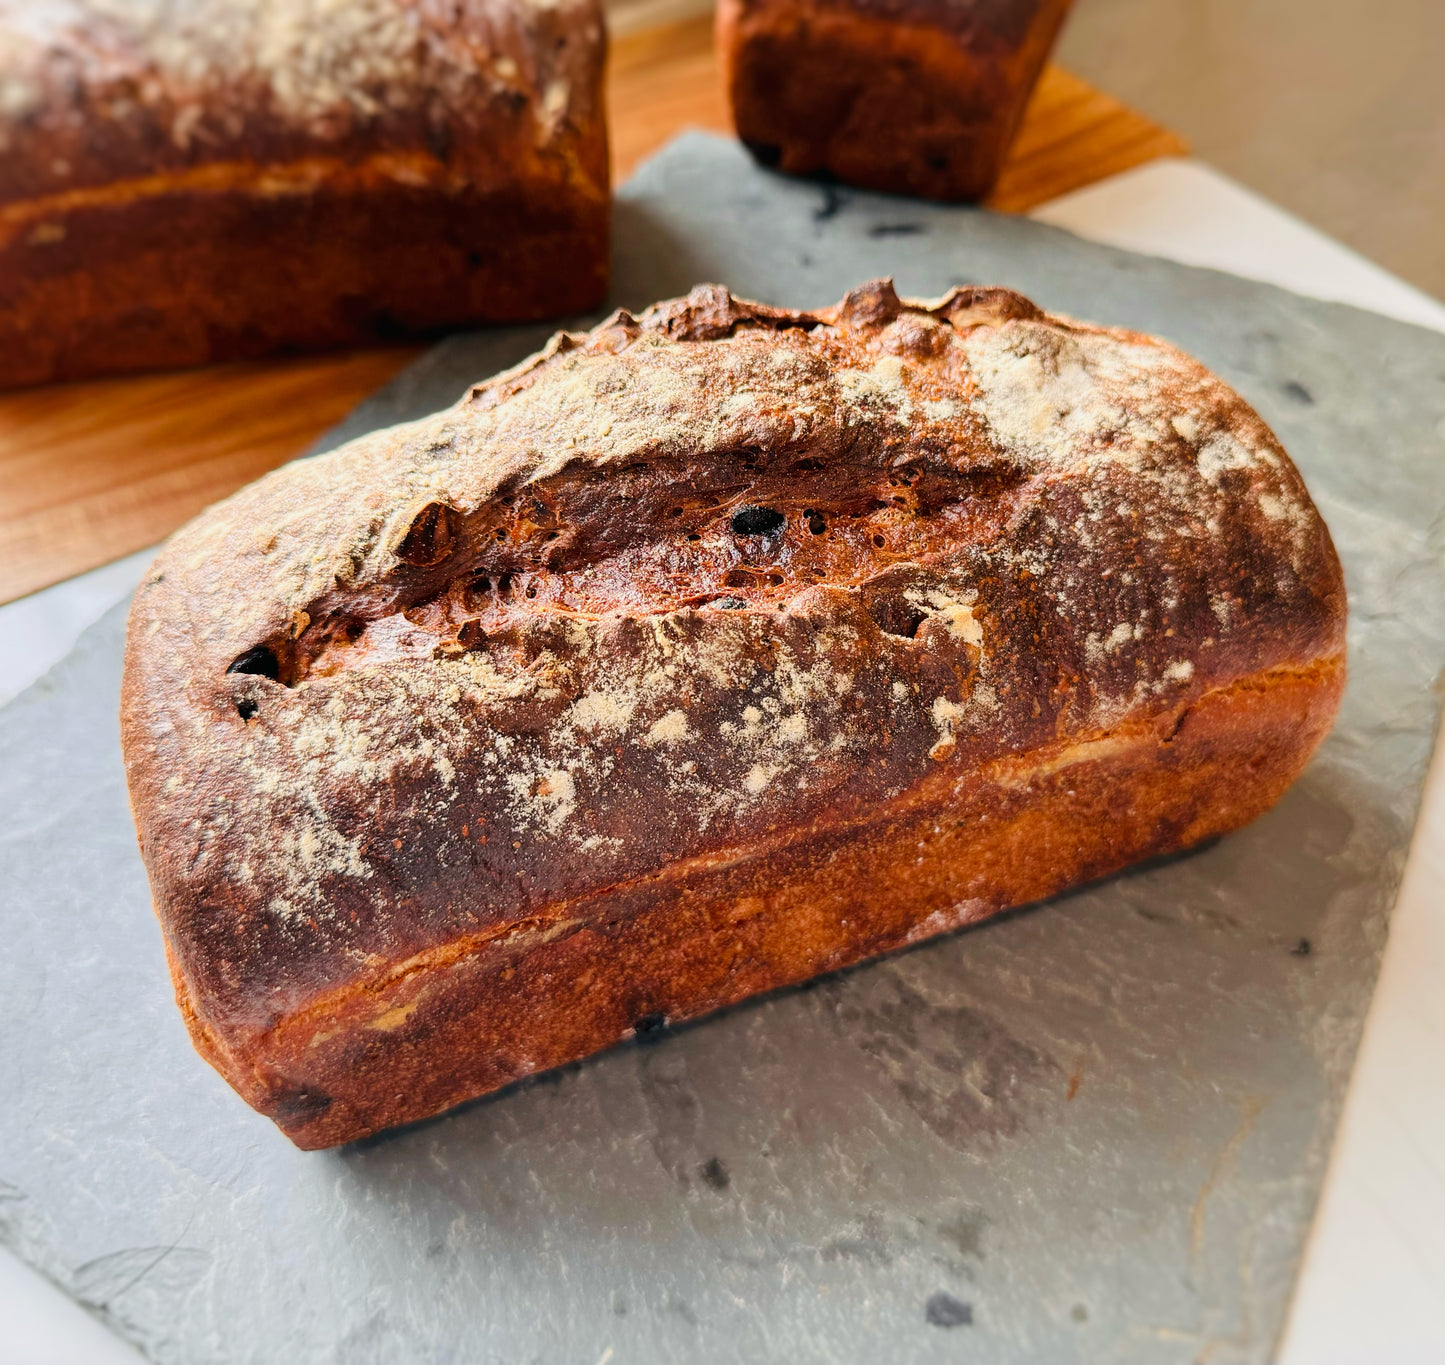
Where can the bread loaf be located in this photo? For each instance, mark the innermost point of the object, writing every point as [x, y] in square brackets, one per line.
[698, 654]
[186, 182]
[916, 97]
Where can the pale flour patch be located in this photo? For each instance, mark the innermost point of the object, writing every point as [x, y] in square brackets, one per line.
[757, 779]
[948, 718]
[956, 612]
[1224, 451]
[605, 713]
[1121, 635]
[548, 796]
[670, 728]
[877, 392]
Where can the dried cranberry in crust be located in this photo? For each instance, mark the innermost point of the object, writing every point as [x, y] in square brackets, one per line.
[757, 521]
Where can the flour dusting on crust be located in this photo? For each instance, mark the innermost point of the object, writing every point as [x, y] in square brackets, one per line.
[684, 586]
[200, 71]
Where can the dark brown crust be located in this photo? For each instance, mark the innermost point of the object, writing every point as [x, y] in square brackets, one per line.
[675, 947]
[906, 96]
[175, 280]
[544, 681]
[163, 203]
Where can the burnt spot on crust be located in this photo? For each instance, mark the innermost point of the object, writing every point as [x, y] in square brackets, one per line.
[470, 635]
[261, 661]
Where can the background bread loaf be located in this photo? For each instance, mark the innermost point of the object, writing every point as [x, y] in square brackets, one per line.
[913, 96]
[190, 182]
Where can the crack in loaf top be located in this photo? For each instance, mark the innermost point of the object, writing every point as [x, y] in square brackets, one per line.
[96, 90]
[683, 585]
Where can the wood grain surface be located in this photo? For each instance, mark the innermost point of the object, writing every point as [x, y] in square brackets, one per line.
[93, 471]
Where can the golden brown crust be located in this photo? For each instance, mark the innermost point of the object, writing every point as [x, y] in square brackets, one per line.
[910, 96]
[182, 183]
[718, 599]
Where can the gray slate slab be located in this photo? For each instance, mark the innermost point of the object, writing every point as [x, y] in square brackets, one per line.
[1090, 1131]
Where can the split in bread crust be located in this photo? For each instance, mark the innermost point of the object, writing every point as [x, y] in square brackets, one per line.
[701, 653]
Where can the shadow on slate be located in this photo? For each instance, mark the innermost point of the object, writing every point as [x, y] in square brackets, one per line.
[1090, 1131]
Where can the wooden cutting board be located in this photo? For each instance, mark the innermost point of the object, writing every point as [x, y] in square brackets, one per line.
[93, 471]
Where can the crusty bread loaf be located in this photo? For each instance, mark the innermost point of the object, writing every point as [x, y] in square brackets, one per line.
[696, 655]
[912, 96]
[185, 182]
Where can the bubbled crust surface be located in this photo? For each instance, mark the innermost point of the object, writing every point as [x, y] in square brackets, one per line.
[527, 663]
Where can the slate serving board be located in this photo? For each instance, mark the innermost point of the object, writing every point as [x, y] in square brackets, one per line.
[1090, 1131]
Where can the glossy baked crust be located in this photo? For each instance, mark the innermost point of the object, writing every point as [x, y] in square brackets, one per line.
[915, 97]
[699, 654]
[189, 182]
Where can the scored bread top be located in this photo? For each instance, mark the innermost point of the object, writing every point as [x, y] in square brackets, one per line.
[98, 91]
[668, 591]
